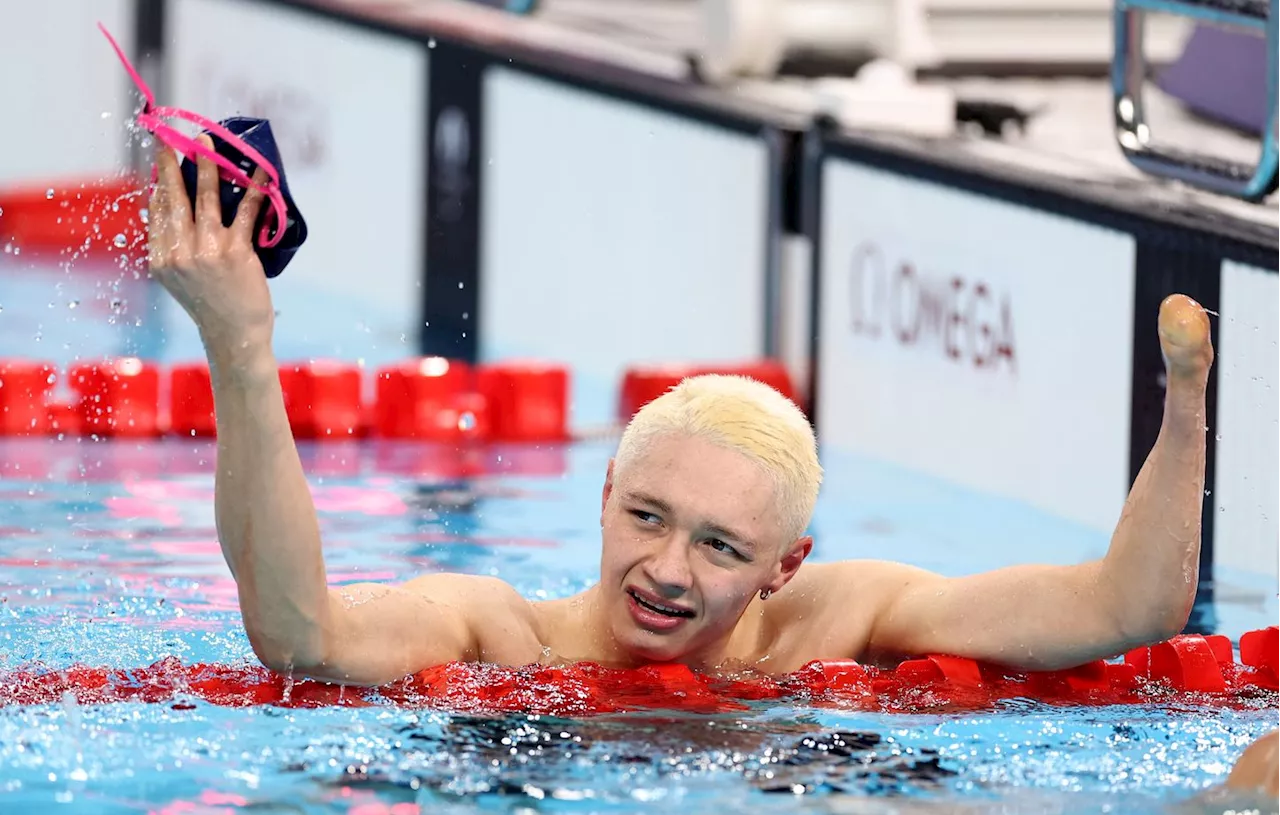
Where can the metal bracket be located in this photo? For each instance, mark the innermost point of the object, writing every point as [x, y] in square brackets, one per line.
[1128, 71]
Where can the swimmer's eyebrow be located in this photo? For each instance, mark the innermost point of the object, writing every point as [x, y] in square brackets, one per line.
[712, 528]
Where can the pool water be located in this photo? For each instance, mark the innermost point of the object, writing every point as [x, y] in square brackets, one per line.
[108, 558]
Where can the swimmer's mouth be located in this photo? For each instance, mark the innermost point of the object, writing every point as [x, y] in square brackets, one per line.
[659, 608]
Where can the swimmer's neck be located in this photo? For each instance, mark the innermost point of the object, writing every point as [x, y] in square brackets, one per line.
[576, 630]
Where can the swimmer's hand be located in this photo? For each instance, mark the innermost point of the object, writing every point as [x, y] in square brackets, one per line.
[210, 269]
[1184, 337]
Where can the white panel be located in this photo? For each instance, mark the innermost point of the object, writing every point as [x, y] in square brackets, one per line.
[614, 233]
[348, 109]
[976, 341]
[795, 314]
[1246, 488]
[63, 92]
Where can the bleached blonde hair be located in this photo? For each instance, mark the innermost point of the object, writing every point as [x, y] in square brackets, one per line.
[748, 417]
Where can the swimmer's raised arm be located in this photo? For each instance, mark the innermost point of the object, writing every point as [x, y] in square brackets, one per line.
[266, 519]
[1141, 591]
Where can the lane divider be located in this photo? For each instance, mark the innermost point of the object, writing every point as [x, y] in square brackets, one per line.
[642, 384]
[94, 219]
[427, 399]
[1186, 669]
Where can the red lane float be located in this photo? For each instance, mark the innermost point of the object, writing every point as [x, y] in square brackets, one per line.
[191, 400]
[529, 401]
[118, 397]
[1164, 673]
[426, 399]
[97, 219]
[1187, 663]
[1259, 648]
[24, 390]
[64, 418]
[430, 399]
[641, 384]
[323, 399]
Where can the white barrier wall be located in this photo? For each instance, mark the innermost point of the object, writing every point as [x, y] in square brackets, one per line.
[63, 92]
[1246, 485]
[613, 233]
[348, 109]
[1000, 363]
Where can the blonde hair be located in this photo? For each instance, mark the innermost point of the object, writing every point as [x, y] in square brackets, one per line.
[748, 417]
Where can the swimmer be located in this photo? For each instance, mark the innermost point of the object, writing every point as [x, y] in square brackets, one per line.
[703, 515]
[1258, 768]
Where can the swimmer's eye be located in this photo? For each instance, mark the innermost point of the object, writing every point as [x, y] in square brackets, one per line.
[721, 546]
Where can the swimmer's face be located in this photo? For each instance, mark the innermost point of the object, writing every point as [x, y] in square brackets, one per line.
[693, 527]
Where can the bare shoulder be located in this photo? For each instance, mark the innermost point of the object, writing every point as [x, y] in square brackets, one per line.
[828, 610]
[502, 622]
[871, 580]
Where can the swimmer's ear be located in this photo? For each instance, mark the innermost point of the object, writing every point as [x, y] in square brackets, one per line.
[791, 560]
[608, 489]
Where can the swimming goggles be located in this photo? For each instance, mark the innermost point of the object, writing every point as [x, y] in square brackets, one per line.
[152, 119]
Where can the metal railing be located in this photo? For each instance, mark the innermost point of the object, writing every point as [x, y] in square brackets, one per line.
[1129, 70]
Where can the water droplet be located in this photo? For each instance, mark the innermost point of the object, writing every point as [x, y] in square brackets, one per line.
[1218, 437]
[460, 284]
[144, 215]
[106, 114]
[431, 43]
[49, 193]
[120, 240]
[73, 303]
[466, 421]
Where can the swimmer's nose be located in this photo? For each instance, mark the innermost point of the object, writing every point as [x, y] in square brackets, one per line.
[668, 567]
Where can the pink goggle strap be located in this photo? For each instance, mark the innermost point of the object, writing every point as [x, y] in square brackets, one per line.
[152, 117]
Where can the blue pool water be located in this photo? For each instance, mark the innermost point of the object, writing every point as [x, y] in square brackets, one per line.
[108, 558]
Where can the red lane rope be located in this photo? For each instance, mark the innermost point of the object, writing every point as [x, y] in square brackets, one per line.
[1187, 669]
[421, 398]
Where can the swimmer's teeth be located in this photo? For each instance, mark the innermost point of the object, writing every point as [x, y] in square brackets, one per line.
[670, 612]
